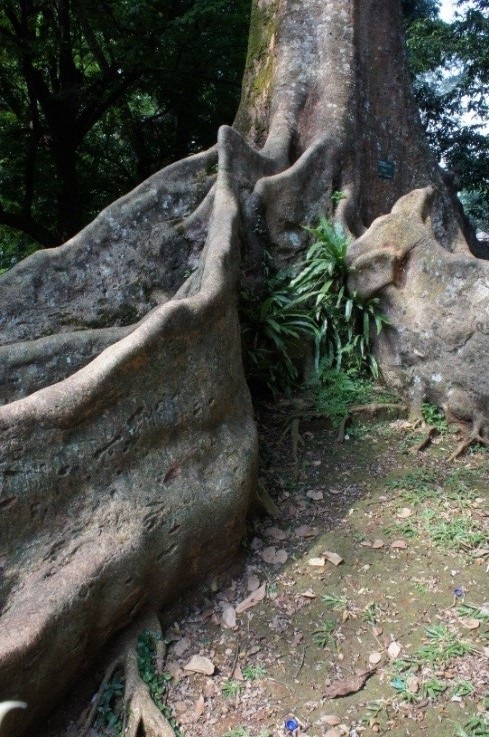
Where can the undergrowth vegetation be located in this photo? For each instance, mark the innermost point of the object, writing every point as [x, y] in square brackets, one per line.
[311, 310]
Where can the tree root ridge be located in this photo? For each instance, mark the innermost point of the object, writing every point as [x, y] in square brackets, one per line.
[369, 409]
[426, 440]
[142, 717]
[473, 438]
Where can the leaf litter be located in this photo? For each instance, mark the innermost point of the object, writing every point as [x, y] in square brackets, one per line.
[246, 657]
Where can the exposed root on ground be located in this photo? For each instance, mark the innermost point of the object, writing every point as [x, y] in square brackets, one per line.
[367, 409]
[430, 433]
[474, 437]
[142, 718]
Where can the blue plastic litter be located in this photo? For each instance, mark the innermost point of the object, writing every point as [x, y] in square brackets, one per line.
[291, 725]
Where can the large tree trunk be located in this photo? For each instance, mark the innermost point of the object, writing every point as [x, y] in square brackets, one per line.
[128, 447]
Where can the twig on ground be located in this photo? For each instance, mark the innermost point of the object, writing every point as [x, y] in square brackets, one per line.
[301, 662]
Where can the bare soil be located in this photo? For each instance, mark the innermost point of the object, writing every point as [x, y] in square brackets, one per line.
[401, 621]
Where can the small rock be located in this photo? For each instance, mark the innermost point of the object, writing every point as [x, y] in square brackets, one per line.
[200, 664]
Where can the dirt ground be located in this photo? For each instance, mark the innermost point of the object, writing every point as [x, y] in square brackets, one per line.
[361, 608]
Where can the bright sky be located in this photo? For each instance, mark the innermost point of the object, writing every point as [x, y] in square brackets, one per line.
[447, 9]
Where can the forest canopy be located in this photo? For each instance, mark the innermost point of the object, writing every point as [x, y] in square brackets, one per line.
[96, 96]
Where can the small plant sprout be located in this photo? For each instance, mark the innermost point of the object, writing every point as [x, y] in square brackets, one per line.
[435, 417]
[433, 688]
[231, 689]
[254, 672]
[463, 688]
[323, 636]
[371, 613]
[337, 195]
[334, 601]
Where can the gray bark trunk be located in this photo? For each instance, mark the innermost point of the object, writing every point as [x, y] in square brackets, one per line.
[128, 450]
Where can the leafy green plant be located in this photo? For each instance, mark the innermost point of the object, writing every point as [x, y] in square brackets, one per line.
[441, 647]
[311, 306]
[474, 612]
[336, 391]
[434, 416]
[273, 328]
[254, 672]
[344, 319]
[371, 613]
[401, 687]
[476, 726]
[337, 195]
[110, 714]
[463, 688]
[156, 682]
[433, 687]
[460, 532]
[334, 601]
[231, 689]
[323, 636]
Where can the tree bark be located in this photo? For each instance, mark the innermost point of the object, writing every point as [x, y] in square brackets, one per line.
[126, 433]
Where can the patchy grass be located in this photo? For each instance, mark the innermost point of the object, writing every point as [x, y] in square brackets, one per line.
[408, 602]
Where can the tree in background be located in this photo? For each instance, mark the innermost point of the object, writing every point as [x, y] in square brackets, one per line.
[96, 96]
[450, 64]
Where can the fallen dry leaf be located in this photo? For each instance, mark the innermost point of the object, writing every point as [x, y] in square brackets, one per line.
[331, 720]
[404, 513]
[469, 623]
[317, 562]
[393, 650]
[374, 658]
[377, 544]
[377, 631]
[398, 545]
[309, 594]
[315, 495]
[252, 600]
[200, 664]
[366, 543]
[335, 732]
[199, 707]
[412, 684]
[481, 553]
[333, 557]
[348, 685]
[334, 491]
[305, 531]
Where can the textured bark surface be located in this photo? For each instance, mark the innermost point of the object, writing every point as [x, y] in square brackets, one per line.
[438, 303]
[129, 479]
[128, 450]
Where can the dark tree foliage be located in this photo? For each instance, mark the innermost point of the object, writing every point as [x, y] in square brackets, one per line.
[450, 64]
[414, 10]
[97, 95]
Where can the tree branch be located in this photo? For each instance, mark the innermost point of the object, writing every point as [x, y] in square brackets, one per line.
[26, 224]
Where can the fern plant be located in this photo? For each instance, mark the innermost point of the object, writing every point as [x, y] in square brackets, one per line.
[344, 320]
[312, 306]
[273, 329]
